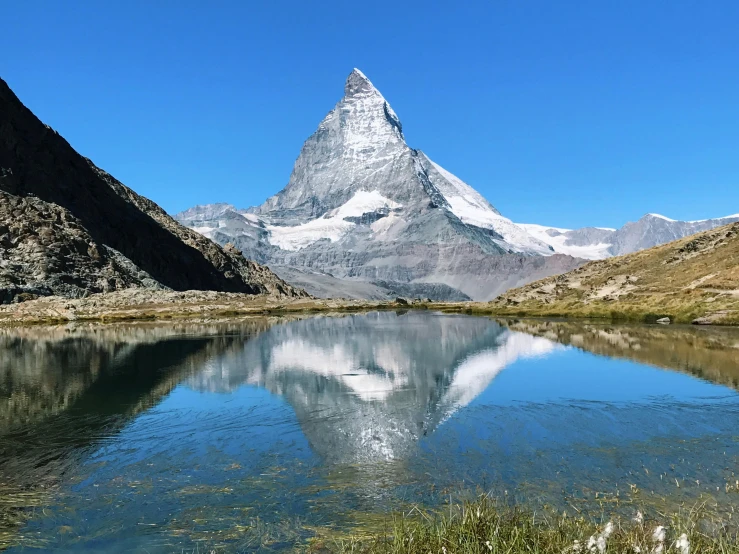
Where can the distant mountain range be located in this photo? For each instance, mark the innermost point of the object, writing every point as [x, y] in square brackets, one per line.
[597, 243]
[68, 228]
[366, 216]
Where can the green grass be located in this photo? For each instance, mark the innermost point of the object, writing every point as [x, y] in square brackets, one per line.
[484, 527]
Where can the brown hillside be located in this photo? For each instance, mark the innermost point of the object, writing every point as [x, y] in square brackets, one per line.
[690, 278]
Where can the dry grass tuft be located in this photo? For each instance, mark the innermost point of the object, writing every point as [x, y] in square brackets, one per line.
[483, 527]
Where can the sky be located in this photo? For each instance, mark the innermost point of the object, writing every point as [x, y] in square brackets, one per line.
[568, 113]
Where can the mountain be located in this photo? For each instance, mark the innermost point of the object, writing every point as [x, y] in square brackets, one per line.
[69, 228]
[687, 279]
[597, 243]
[362, 205]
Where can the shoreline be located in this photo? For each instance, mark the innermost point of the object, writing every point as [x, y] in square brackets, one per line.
[488, 525]
[135, 305]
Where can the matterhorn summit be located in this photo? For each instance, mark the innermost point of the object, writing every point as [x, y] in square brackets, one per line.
[362, 206]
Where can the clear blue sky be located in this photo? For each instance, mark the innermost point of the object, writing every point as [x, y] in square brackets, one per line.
[561, 113]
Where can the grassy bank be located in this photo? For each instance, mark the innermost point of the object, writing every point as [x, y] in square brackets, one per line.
[138, 305]
[645, 310]
[483, 527]
[691, 278]
[144, 305]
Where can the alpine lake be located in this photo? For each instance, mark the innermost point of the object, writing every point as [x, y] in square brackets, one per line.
[268, 433]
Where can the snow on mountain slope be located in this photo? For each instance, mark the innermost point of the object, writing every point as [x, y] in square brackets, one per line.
[595, 243]
[558, 239]
[726, 217]
[472, 208]
[332, 225]
[660, 216]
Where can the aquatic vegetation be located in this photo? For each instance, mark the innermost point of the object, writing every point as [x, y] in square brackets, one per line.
[485, 526]
[16, 508]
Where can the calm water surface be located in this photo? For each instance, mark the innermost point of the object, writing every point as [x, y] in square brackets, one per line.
[261, 434]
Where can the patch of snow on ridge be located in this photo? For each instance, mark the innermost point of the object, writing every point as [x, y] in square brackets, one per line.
[472, 208]
[361, 74]
[361, 203]
[203, 230]
[733, 216]
[250, 217]
[332, 225]
[558, 239]
[659, 216]
[382, 226]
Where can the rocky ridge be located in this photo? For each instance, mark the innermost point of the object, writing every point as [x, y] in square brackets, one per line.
[597, 243]
[68, 228]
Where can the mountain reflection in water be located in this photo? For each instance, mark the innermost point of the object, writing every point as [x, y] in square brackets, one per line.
[366, 387]
[186, 433]
[711, 353]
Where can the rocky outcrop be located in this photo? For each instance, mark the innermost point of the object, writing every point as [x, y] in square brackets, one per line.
[68, 228]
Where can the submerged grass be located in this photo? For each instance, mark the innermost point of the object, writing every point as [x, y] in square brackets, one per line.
[484, 526]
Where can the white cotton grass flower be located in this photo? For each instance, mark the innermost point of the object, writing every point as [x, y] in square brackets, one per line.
[604, 536]
[659, 539]
[599, 543]
[639, 518]
[490, 546]
[683, 544]
[659, 534]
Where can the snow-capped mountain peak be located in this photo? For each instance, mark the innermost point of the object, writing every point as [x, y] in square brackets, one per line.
[361, 203]
[358, 83]
[359, 147]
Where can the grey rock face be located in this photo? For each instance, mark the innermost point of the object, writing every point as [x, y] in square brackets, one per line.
[652, 230]
[362, 205]
[46, 250]
[69, 228]
[588, 236]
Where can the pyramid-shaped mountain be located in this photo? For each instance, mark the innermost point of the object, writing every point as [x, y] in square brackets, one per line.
[362, 205]
[69, 228]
